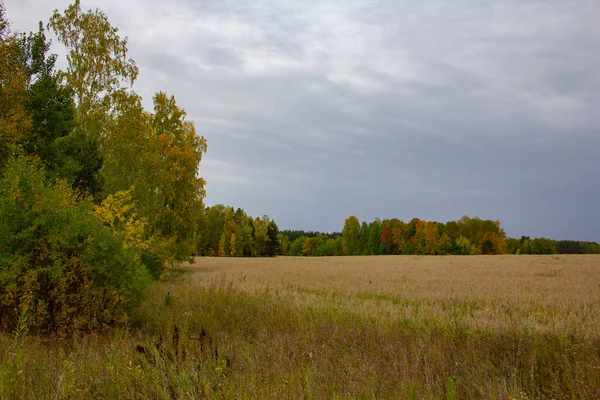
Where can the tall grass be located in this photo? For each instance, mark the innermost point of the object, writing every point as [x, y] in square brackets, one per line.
[208, 338]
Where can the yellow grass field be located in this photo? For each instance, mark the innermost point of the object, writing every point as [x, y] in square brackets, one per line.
[546, 294]
[386, 327]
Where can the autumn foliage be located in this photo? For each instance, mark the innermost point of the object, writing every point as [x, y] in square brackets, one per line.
[97, 194]
[61, 268]
[465, 236]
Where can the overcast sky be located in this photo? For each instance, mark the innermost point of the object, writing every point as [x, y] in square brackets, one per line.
[315, 111]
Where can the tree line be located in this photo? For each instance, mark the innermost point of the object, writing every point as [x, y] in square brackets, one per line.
[465, 236]
[225, 232]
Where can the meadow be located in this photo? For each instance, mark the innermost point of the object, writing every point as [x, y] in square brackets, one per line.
[414, 327]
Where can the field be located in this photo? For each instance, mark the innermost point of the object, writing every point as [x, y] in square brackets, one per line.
[491, 327]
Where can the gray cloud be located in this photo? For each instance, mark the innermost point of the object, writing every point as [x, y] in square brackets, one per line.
[379, 108]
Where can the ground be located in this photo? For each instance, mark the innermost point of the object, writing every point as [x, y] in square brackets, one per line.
[485, 327]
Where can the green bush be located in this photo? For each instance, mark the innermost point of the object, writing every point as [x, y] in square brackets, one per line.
[61, 269]
[153, 264]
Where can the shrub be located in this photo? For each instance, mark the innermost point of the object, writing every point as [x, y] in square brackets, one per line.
[61, 268]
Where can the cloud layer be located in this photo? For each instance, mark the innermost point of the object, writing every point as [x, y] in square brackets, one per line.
[436, 109]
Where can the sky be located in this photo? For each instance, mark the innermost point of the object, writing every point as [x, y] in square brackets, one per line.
[315, 111]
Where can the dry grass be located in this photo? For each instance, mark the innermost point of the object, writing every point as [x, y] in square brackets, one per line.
[494, 327]
[546, 294]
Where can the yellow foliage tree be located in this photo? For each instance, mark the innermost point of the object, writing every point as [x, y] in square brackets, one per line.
[15, 122]
[98, 66]
[118, 212]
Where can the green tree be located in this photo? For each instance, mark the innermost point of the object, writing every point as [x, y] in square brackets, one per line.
[98, 64]
[245, 237]
[452, 230]
[464, 247]
[444, 244]
[211, 230]
[261, 237]
[363, 239]
[419, 239]
[512, 245]
[543, 246]
[525, 245]
[297, 246]
[333, 247]
[350, 236]
[67, 154]
[273, 243]
[411, 229]
[374, 244]
[284, 244]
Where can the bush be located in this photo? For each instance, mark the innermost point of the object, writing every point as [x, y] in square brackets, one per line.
[153, 264]
[61, 269]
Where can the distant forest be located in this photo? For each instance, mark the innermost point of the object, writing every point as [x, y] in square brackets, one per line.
[466, 236]
[225, 231]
